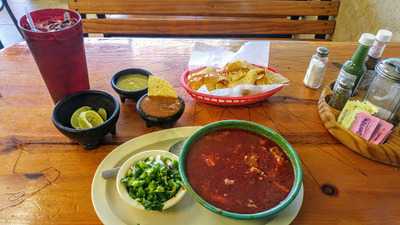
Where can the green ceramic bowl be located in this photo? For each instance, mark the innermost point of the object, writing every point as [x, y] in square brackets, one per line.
[259, 129]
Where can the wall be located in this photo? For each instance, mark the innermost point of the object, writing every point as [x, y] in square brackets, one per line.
[358, 16]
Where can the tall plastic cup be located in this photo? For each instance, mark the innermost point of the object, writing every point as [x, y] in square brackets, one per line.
[60, 55]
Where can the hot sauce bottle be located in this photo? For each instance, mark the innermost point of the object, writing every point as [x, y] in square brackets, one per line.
[352, 71]
[374, 55]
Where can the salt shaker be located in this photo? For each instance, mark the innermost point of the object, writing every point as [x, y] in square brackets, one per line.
[316, 69]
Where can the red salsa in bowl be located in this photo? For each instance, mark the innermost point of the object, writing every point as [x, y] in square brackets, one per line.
[246, 172]
[240, 169]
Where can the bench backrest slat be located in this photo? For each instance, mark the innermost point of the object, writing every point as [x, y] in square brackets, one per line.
[207, 17]
[207, 7]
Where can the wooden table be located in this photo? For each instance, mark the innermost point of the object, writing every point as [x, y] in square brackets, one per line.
[45, 178]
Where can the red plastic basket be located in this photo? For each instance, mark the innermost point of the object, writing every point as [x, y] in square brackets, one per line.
[226, 101]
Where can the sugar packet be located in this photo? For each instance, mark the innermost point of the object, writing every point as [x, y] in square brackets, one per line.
[371, 128]
[382, 132]
[350, 110]
[364, 125]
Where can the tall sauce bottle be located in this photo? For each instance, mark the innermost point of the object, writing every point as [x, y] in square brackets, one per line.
[352, 71]
[374, 55]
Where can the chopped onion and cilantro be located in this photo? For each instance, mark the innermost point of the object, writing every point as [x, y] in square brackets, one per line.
[153, 181]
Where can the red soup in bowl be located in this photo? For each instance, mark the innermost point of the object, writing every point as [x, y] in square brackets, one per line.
[239, 171]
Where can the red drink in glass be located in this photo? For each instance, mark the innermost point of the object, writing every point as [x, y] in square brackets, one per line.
[58, 49]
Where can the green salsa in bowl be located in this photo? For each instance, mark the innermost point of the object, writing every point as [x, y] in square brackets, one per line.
[130, 83]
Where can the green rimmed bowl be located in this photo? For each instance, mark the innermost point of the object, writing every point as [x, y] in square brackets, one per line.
[261, 130]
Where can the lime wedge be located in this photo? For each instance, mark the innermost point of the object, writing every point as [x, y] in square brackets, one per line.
[103, 113]
[75, 116]
[84, 124]
[89, 119]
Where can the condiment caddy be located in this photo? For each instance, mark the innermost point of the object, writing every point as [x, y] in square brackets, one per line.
[367, 92]
[387, 153]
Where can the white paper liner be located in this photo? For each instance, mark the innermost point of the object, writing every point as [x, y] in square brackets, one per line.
[253, 52]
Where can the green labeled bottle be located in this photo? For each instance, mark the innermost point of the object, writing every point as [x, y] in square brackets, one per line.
[352, 70]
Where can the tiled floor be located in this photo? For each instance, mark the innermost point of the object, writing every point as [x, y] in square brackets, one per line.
[8, 33]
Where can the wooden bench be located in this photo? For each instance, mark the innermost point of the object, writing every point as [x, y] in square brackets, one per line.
[208, 17]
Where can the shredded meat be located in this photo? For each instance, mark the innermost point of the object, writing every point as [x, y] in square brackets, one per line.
[210, 160]
[251, 204]
[279, 157]
[251, 160]
[228, 181]
[256, 170]
[280, 187]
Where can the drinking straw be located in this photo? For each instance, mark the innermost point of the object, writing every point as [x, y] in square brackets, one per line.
[30, 20]
[67, 17]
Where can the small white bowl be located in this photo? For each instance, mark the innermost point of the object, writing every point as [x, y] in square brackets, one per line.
[123, 193]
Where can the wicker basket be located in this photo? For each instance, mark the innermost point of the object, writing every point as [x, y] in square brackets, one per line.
[387, 153]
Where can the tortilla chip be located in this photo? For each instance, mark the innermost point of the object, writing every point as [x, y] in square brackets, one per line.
[262, 81]
[221, 85]
[196, 82]
[237, 75]
[251, 66]
[160, 87]
[222, 79]
[260, 76]
[234, 66]
[203, 72]
[250, 77]
[276, 78]
[210, 81]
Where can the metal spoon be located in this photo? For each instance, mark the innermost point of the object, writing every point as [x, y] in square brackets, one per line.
[175, 149]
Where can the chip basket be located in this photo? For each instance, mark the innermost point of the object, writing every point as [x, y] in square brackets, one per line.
[226, 101]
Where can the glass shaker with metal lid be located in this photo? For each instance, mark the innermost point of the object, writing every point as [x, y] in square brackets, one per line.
[384, 91]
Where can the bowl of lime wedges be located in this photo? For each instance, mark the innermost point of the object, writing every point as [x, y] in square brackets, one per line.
[87, 116]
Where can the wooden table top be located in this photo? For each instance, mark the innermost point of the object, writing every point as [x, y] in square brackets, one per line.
[45, 178]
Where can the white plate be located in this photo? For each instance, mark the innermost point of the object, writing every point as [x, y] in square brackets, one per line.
[112, 210]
